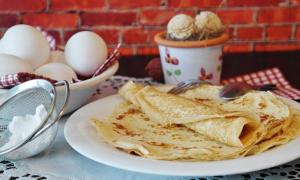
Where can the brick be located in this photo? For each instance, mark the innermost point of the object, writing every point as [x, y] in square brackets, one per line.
[125, 51]
[295, 2]
[152, 33]
[77, 4]
[279, 32]
[110, 36]
[258, 3]
[298, 33]
[7, 20]
[237, 48]
[296, 14]
[135, 36]
[250, 33]
[269, 47]
[22, 5]
[230, 31]
[187, 12]
[194, 3]
[109, 18]
[273, 15]
[156, 17]
[236, 16]
[128, 4]
[51, 20]
[147, 51]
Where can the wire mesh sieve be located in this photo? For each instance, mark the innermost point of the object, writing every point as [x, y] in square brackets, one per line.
[23, 100]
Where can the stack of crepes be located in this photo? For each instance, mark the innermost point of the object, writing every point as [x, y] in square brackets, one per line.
[197, 125]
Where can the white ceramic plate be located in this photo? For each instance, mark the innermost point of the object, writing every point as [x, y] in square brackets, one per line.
[83, 138]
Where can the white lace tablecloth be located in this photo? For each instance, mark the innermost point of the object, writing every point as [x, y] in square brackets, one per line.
[62, 162]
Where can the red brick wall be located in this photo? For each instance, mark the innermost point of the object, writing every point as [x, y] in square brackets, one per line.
[256, 25]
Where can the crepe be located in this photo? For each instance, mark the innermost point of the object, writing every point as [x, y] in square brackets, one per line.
[272, 111]
[193, 127]
[260, 102]
[132, 131]
[289, 132]
[232, 128]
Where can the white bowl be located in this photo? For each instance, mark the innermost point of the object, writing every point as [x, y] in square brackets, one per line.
[81, 92]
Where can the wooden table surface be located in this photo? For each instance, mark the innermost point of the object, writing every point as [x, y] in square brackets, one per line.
[233, 64]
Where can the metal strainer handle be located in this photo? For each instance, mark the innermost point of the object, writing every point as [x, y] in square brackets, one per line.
[60, 112]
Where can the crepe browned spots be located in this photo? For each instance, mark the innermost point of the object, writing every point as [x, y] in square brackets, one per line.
[197, 126]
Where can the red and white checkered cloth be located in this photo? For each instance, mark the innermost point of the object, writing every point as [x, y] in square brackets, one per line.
[268, 76]
[51, 40]
[12, 80]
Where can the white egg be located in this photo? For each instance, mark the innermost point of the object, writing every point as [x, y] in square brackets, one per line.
[57, 56]
[10, 64]
[56, 71]
[85, 51]
[27, 43]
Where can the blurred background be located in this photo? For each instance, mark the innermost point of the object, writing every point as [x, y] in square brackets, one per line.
[255, 25]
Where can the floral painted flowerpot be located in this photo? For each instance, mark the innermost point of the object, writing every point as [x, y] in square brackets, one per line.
[184, 60]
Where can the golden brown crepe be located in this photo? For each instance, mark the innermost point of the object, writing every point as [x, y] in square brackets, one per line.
[272, 111]
[259, 102]
[232, 128]
[193, 126]
[283, 136]
[131, 130]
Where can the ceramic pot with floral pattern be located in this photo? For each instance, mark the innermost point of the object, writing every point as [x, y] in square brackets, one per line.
[184, 60]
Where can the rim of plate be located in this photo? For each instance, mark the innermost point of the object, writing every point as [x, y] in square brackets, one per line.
[93, 147]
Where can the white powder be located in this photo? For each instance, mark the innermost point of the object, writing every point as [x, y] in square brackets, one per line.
[22, 126]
